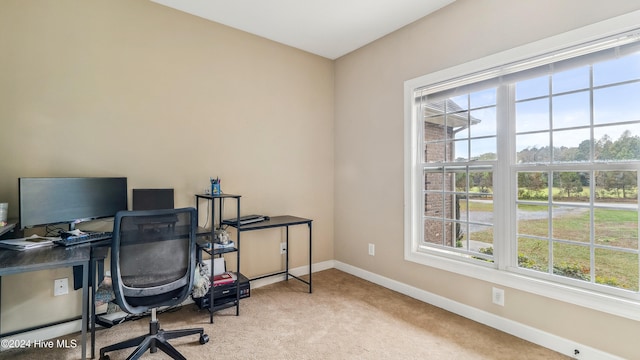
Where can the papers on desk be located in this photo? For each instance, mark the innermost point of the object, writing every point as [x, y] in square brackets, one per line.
[31, 242]
[6, 228]
[244, 220]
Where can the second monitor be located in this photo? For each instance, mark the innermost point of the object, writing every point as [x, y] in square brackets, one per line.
[152, 199]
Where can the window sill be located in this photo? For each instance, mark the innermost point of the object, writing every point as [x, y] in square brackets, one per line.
[606, 303]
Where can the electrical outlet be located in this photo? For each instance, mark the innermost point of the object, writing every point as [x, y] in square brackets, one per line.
[372, 249]
[498, 296]
[283, 248]
[60, 287]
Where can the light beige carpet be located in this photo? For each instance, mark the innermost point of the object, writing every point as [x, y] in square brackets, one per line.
[345, 318]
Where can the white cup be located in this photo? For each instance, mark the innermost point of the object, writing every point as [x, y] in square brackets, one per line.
[4, 210]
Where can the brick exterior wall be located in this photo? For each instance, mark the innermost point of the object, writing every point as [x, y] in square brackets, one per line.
[436, 204]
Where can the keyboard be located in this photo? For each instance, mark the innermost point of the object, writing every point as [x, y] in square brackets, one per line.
[84, 238]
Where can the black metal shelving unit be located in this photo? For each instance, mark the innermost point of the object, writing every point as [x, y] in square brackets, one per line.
[206, 239]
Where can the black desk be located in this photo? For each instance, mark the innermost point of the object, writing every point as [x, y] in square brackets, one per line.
[281, 221]
[15, 262]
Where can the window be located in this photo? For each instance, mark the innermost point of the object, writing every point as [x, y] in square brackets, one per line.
[459, 141]
[531, 168]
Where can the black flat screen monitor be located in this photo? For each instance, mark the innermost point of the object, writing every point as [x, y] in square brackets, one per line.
[152, 199]
[51, 201]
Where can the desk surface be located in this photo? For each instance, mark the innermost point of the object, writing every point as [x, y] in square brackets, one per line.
[14, 262]
[274, 221]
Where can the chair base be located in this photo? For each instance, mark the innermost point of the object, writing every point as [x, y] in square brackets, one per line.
[156, 339]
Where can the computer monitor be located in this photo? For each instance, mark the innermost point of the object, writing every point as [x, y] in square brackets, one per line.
[51, 201]
[152, 199]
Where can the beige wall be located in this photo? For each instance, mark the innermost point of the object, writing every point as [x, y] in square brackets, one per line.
[135, 89]
[369, 151]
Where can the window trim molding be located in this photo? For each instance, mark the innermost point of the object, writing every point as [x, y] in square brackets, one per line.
[610, 304]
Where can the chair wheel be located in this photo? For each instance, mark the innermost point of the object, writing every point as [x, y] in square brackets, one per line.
[204, 338]
[105, 357]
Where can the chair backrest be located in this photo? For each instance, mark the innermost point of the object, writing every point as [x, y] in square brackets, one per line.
[153, 257]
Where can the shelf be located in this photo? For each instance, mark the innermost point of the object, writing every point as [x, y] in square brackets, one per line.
[225, 296]
[206, 247]
[214, 300]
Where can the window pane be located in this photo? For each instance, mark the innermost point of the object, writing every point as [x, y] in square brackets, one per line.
[461, 133]
[612, 104]
[483, 122]
[533, 148]
[459, 124]
[458, 103]
[533, 254]
[460, 176]
[618, 70]
[571, 223]
[457, 203]
[434, 130]
[617, 187]
[570, 186]
[433, 112]
[480, 183]
[434, 152]
[620, 142]
[484, 149]
[462, 205]
[483, 98]
[533, 220]
[618, 228]
[532, 115]
[572, 261]
[477, 211]
[571, 80]
[481, 237]
[433, 181]
[616, 268]
[533, 186]
[433, 205]
[462, 236]
[461, 151]
[566, 145]
[433, 232]
[451, 234]
[571, 110]
[532, 88]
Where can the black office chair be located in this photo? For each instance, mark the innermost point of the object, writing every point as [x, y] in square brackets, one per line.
[153, 258]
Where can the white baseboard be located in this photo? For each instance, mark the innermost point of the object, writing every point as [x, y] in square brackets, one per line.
[536, 336]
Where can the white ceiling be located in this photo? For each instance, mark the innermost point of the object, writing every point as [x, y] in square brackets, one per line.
[329, 28]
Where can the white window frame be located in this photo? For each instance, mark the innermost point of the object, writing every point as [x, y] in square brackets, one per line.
[485, 68]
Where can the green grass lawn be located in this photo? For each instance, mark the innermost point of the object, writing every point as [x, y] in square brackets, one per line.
[614, 228]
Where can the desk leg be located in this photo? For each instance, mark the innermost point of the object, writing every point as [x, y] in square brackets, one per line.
[286, 272]
[85, 305]
[310, 259]
[92, 304]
